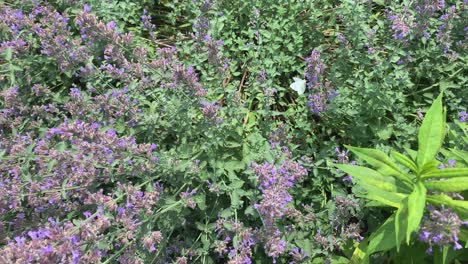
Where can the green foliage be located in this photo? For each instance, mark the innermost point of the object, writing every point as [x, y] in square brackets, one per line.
[424, 176]
[384, 86]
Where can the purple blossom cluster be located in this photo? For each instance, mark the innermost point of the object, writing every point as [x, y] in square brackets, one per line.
[274, 182]
[188, 79]
[214, 56]
[440, 227]
[463, 116]
[236, 242]
[187, 196]
[425, 10]
[51, 29]
[81, 241]
[320, 90]
[66, 177]
[342, 39]
[444, 31]
[278, 138]
[401, 24]
[371, 41]
[342, 158]
[147, 24]
[450, 164]
[210, 111]
[116, 105]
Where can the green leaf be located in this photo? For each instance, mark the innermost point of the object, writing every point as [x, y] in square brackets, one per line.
[429, 166]
[380, 2]
[380, 161]
[384, 237]
[416, 205]
[449, 185]
[369, 176]
[405, 161]
[392, 199]
[8, 54]
[441, 256]
[446, 173]
[401, 223]
[461, 154]
[412, 153]
[460, 207]
[463, 235]
[431, 133]
[359, 255]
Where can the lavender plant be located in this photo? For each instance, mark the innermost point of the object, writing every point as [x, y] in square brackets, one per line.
[166, 131]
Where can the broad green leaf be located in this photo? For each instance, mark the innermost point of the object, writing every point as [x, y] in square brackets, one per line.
[380, 161]
[377, 204]
[463, 235]
[429, 166]
[449, 185]
[369, 177]
[384, 237]
[461, 154]
[380, 2]
[416, 205]
[441, 256]
[392, 199]
[405, 161]
[460, 207]
[412, 153]
[401, 223]
[446, 173]
[359, 254]
[431, 133]
[458, 155]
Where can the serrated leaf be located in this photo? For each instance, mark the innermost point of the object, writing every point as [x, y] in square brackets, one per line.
[380, 161]
[8, 54]
[446, 173]
[448, 185]
[226, 213]
[416, 205]
[431, 133]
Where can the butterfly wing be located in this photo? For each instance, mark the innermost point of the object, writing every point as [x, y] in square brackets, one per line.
[298, 85]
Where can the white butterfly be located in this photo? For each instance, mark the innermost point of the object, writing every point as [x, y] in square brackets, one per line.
[298, 85]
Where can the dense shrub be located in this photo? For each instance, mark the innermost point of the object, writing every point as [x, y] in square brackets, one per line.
[209, 131]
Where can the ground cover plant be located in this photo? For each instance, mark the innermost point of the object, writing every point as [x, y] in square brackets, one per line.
[312, 131]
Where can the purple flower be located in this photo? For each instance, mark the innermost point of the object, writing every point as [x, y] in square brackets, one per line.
[111, 25]
[274, 184]
[47, 249]
[320, 90]
[440, 228]
[463, 116]
[87, 214]
[402, 24]
[87, 8]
